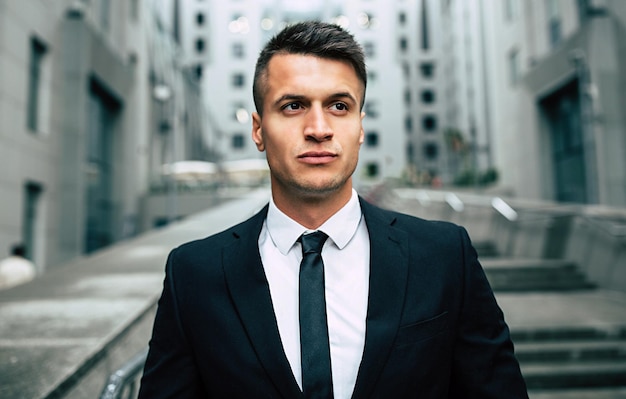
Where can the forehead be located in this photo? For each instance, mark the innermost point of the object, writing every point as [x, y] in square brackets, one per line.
[308, 72]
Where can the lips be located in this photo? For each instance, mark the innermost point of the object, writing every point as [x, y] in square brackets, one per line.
[317, 157]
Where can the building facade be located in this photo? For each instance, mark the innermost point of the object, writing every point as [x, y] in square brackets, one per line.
[559, 90]
[80, 118]
[403, 42]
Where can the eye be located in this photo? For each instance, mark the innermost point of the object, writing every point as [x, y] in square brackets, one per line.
[292, 106]
[340, 106]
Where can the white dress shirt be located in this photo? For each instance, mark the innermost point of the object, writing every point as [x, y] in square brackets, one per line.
[346, 256]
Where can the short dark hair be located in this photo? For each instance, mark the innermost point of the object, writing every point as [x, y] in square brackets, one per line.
[315, 38]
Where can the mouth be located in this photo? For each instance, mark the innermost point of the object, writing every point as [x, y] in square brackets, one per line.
[317, 157]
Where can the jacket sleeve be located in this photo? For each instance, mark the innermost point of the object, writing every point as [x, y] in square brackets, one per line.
[170, 370]
[484, 364]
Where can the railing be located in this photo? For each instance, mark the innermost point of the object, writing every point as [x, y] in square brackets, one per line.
[124, 383]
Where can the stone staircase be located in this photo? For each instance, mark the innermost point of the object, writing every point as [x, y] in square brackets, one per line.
[534, 275]
[564, 359]
[560, 361]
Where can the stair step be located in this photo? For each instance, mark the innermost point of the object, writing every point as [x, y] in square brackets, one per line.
[526, 263]
[561, 375]
[519, 274]
[486, 249]
[579, 351]
[599, 393]
[568, 333]
[529, 283]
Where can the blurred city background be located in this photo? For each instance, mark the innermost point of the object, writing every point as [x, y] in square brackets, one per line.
[125, 130]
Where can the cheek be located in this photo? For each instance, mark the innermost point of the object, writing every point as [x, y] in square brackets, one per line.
[278, 147]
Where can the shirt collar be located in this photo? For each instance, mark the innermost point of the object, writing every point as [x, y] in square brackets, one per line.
[340, 227]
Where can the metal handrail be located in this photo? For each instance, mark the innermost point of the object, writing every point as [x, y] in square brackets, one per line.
[610, 227]
[504, 209]
[123, 383]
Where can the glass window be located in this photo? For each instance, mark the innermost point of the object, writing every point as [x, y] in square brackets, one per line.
[37, 53]
[238, 50]
[369, 49]
[198, 70]
[372, 76]
[200, 45]
[428, 96]
[238, 141]
[371, 139]
[554, 22]
[427, 69]
[32, 195]
[404, 44]
[99, 166]
[429, 123]
[371, 169]
[402, 18]
[410, 153]
[425, 27]
[239, 80]
[371, 109]
[408, 124]
[431, 151]
[407, 97]
[200, 19]
[406, 70]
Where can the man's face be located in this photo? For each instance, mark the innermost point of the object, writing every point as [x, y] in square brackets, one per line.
[311, 127]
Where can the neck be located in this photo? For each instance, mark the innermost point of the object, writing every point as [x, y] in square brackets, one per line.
[312, 211]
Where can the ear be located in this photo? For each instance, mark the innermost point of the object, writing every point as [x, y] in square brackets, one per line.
[257, 131]
[362, 133]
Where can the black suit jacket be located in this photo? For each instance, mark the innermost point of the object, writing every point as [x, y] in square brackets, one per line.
[433, 327]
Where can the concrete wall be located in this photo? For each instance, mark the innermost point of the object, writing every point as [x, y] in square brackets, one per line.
[592, 237]
[81, 47]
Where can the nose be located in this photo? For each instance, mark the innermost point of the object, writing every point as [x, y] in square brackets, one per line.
[316, 125]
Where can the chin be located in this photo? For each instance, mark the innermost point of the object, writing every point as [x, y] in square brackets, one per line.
[321, 190]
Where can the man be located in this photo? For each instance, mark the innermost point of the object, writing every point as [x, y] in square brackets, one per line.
[406, 310]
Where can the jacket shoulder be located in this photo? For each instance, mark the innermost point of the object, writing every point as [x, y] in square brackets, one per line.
[406, 222]
[246, 229]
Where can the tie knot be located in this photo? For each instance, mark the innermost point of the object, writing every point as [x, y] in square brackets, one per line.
[312, 242]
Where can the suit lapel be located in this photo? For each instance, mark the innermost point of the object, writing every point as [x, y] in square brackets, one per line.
[387, 287]
[250, 293]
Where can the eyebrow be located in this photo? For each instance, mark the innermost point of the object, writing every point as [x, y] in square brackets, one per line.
[288, 97]
[298, 97]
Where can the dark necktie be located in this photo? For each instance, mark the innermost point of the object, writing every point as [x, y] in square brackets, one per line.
[314, 347]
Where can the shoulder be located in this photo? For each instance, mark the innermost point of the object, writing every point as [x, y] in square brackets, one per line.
[409, 223]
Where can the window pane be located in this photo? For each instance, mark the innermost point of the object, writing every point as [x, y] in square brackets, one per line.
[238, 141]
[37, 52]
[431, 151]
[429, 123]
[428, 70]
[371, 169]
[200, 45]
[428, 96]
[371, 139]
